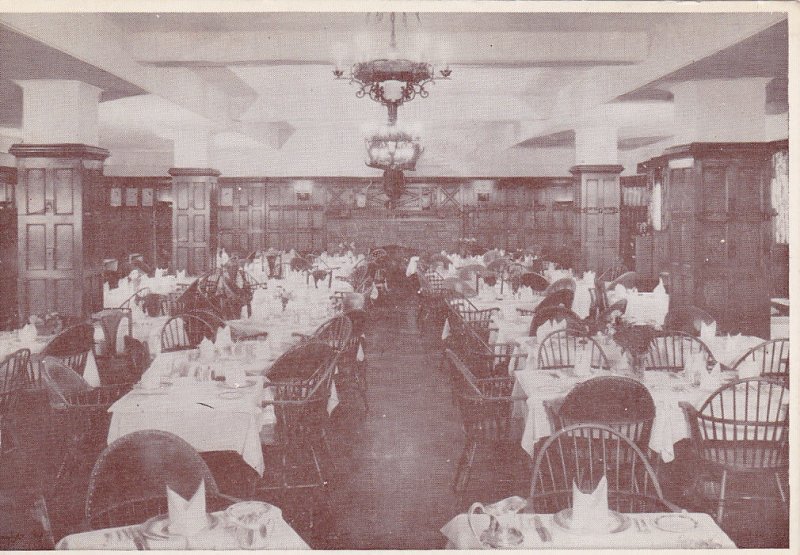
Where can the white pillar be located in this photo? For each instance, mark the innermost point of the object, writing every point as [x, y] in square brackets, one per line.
[596, 145]
[59, 111]
[720, 110]
[192, 147]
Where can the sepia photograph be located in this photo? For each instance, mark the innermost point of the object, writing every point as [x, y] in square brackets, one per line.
[396, 275]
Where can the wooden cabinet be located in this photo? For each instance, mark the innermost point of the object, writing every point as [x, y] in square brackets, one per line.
[717, 216]
[60, 228]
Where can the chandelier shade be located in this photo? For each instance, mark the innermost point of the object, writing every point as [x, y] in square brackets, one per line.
[390, 148]
[392, 80]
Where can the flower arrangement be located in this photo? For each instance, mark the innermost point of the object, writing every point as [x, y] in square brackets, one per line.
[47, 324]
[634, 339]
[285, 296]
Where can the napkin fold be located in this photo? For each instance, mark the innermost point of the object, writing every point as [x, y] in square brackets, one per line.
[28, 333]
[223, 338]
[708, 331]
[660, 289]
[589, 510]
[90, 372]
[713, 379]
[206, 349]
[620, 292]
[446, 329]
[181, 275]
[187, 518]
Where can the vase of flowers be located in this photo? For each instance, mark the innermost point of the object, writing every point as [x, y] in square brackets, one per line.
[634, 339]
[285, 296]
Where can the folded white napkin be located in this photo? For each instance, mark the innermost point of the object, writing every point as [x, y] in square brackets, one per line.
[373, 294]
[90, 373]
[708, 331]
[412, 266]
[544, 330]
[711, 380]
[223, 338]
[28, 333]
[187, 518]
[620, 292]
[590, 510]
[694, 366]
[446, 329]
[181, 275]
[660, 289]
[206, 349]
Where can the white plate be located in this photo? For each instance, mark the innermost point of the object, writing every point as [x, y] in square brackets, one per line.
[246, 384]
[157, 528]
[677, 522]
[618, 523]
[231, 394]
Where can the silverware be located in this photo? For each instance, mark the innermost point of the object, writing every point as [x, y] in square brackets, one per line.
[543, 532]
[138, 539]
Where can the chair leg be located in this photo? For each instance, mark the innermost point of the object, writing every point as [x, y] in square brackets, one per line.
[721, 503]
[782, 494]
[43, 516]
[462, 459]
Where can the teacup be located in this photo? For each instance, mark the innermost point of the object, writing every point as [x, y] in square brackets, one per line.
[254, 523]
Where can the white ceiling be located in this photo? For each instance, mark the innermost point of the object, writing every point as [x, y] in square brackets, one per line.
[264, 81]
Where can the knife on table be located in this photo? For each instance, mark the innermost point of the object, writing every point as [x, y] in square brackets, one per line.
[544, 534]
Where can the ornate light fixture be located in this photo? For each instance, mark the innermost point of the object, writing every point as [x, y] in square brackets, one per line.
[390, 148]
[392, 81]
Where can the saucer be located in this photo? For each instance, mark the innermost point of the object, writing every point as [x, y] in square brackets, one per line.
[157, 528]
[675, 523]
[246, 384]
[617, 522]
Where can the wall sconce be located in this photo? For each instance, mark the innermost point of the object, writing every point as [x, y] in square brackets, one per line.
[483, 190]
[302, 189]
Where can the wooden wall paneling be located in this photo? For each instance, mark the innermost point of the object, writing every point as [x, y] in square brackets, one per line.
[60, 229]
[8, 248]
[194, 219]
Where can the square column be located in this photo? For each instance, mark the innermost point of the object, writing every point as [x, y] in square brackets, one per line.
[193, 219]
[60, 206]
[597, 202]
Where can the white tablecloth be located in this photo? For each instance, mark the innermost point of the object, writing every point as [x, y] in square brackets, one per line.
[668, 390]
[198, 413]
[218, 537]
[706, 534]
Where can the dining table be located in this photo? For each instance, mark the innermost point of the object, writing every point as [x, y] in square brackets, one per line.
[636, 531]
[668, 390]
[219, 535]
[188, 394]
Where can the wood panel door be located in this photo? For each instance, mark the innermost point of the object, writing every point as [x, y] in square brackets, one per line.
[193, 244]
[57, 270]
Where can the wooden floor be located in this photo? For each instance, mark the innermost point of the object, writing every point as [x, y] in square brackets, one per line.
[394, 464]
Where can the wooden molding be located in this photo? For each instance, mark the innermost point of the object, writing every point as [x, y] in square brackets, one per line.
[8, 175]
[715, 150]
[596, 168]
[193, 172]
[66, 150]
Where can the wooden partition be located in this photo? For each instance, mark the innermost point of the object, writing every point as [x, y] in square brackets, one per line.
[717, 216]
[61, 220]
[8, 249]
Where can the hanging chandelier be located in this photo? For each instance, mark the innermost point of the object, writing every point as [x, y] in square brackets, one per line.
[393, 80]
[391, 148]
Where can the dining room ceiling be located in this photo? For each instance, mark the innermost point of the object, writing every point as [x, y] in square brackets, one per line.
[266, 78]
